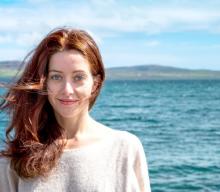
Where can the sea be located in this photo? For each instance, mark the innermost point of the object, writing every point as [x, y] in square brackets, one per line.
[178, 123]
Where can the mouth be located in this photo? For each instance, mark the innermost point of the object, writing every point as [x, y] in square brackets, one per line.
[67, 101]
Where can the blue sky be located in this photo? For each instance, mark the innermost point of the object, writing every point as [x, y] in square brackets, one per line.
[180, 33]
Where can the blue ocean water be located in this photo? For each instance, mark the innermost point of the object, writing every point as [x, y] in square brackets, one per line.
[178, 123]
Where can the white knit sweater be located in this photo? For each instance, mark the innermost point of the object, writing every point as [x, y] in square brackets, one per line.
[117, 164]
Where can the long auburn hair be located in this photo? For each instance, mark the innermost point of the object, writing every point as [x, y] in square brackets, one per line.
[33, 135]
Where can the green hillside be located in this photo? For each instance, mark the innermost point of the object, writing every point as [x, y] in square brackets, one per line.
[8, 68]
[141, 72]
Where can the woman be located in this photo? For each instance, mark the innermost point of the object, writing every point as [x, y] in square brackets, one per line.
[53, 144]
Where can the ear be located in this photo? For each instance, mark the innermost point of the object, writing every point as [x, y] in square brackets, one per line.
[96, 82]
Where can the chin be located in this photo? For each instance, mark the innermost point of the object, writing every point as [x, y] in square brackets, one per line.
[68, 114]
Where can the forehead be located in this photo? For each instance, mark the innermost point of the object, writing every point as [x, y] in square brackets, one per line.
[69, 60]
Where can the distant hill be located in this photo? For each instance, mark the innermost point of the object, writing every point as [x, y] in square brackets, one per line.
[9, 64]
[143, 72]
[8, 68]
[139, 72]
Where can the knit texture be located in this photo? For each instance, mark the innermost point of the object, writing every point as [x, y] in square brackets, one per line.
[116, 164]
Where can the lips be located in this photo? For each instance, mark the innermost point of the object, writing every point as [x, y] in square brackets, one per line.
[67, 101]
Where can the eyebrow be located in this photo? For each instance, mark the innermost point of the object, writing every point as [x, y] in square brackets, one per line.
[57, 71]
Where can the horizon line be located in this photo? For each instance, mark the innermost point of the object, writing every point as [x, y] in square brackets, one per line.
[139, 65]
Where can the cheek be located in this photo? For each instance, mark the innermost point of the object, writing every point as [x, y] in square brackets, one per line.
[50, 99]
[53, 89]
[84, 90]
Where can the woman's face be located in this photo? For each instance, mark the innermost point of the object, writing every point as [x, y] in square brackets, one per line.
[69, 83]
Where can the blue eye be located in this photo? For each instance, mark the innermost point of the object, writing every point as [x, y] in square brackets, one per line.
[78, 78]
[56, 77]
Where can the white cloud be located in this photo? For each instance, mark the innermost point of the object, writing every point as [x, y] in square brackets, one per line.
[12, 53]
[23, 26]
[115, 18]
[152, 43]
[21, 39]
[97, 39]
[5, 39]
[25, 38]
[103, 3]
[140, 58]
[38, 1]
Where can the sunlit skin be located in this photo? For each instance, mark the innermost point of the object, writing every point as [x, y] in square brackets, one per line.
[70, 84]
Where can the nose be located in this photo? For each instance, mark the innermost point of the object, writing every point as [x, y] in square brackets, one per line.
[68, 88]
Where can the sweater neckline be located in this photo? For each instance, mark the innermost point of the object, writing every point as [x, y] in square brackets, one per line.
[100, 142]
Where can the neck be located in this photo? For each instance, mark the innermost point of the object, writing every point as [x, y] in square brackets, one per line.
[77, 127]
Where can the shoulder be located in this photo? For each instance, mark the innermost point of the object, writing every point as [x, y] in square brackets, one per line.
[8, 177]
[126, 140]
[118, 134]
[126, 136]
[120, 138]
[127, 147]
[4, 162]
[5, 165]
